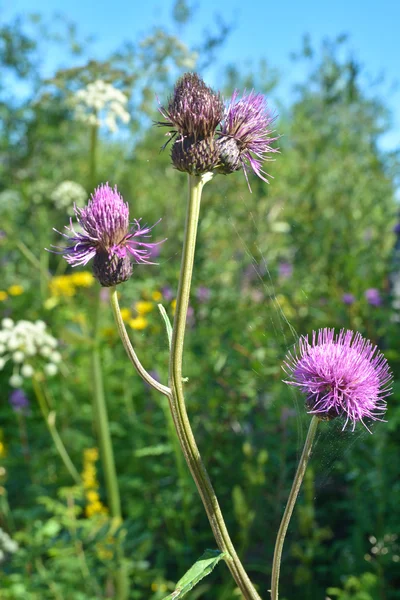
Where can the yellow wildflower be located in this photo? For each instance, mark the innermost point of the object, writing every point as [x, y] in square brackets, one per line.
[94, 505]
[157, 296]
[2, 450]
[95, 508]
[82, 278]
[91, 454]
[3, 296]
[92, 496]
[62, 285]
[138, 323]
[173, 306]
[125, 314]
[15, 290]
[143, 307]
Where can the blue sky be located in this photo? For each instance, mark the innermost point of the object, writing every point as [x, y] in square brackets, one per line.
[261, 29]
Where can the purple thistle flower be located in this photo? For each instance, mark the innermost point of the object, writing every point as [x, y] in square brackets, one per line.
[373, 297]
[348, 298]
[341, 375]
[18, 401]
[194, 109]
[245, 135]
[108, 237]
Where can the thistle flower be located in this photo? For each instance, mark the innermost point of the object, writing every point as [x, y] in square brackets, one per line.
[194, 111]
[341, 375]
[108, 237]
[246, 135]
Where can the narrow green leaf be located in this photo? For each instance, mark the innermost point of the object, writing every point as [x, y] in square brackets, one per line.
[196, 573]
[167, 322]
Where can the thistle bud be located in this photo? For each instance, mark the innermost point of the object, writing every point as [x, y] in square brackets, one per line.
[194, 157]
[111, 270]
[229, 155]
[194, 109]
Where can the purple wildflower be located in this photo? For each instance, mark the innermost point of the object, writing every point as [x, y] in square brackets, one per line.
[18, 401]
[285, 270]
[203, 293]
[373, 297]
[246, 135]
[396, 229]
[108, 237]
[341, 375]
[167, 293]
[194, 111]
[348, 298]
[190, 317]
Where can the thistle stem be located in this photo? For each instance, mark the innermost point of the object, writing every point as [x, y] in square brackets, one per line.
[133, 357]
[102, 423]
[301, 469]
[177, 400]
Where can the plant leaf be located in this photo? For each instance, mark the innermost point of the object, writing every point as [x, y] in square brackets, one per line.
[201, 568]
[167, 322]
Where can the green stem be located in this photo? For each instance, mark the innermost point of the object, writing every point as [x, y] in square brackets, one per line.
[50, 419]
[102, 423]
[301, 469]
[177, 400]
[35, 262]
[158, 387]
[106, 450]
[129, 349]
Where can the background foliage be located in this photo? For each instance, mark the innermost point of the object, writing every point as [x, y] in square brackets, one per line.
[270, 265]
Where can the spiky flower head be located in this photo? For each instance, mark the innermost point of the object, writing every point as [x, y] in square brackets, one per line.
[108, 237]
[246, 135]
[342, 375]
[194, 111]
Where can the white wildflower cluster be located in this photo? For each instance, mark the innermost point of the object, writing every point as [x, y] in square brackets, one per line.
[68, 194]
[100, 103]
[39, 191]
[7, 545]
[29, 347]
